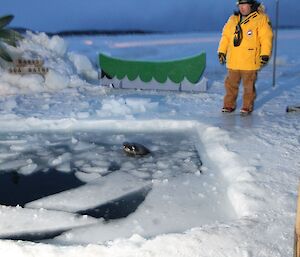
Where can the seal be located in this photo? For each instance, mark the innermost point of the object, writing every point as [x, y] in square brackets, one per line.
[134, 149]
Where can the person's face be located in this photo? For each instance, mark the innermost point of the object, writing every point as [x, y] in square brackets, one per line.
[245, 9]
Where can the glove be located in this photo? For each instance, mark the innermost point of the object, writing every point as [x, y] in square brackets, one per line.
[222, 58]
[264, 59]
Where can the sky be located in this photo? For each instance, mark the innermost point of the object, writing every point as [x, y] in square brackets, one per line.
[155, 15]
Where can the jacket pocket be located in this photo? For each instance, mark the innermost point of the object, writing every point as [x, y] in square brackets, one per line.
[252, 55]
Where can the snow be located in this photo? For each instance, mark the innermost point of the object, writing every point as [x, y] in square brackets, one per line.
[239, 200]
[165, 211]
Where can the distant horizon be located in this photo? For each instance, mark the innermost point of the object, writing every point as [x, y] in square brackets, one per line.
[74, 32]
[135, 15]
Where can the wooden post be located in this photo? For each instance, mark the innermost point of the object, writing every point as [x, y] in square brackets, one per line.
[297, 228]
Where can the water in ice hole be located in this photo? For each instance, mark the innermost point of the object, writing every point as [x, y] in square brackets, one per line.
[36, 167]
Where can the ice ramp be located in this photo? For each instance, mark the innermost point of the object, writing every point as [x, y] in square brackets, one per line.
[179, 75]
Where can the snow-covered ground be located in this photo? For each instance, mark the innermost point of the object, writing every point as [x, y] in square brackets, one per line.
[214, 185]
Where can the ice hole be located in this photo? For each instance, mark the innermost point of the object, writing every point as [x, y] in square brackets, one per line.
[87, 174]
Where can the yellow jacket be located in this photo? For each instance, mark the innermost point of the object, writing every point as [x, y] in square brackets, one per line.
[256, 41]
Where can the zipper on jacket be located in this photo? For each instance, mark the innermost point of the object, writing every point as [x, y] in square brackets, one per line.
[251, 16]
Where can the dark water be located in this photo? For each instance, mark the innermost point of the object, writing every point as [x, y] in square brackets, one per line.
[35, 236]
[17, 188]
[120, 208]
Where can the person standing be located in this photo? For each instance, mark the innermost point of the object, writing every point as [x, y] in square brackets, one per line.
[245, 46]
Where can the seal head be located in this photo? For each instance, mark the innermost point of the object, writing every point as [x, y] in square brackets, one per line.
[135, 149]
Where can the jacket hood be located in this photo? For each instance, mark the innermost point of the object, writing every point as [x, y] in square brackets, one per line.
[256, 7]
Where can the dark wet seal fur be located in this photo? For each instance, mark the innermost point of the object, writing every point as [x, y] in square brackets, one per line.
[135, 149]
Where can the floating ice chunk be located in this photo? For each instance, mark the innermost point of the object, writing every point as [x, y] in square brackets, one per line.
[74, 140]
[80, 146]
[18, 148]
[65, 157]
[8, 155]
[183, 154]
[101, 162]
[10, 104]
[87, 177]
[13, 164]
[96, 193]
[94, 169]
[13, 142]
[16, 220]
[64, 167]
[28, 169]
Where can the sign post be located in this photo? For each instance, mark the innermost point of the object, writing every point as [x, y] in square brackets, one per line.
[275, 42]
